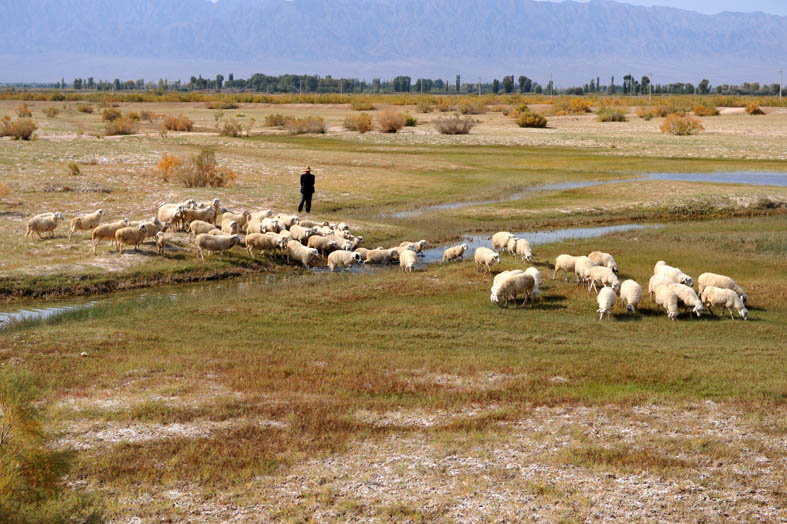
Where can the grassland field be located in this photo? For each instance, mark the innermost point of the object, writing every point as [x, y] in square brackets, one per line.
[390, 397]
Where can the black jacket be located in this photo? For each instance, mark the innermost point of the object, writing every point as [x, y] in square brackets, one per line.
[307, 184]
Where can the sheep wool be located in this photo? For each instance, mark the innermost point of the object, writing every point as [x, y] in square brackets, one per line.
[485, 258]
[564, 263]
[85, 222]
[44, 223]
[343, 258]
[720, 281]
[726, 298]
[454, 253]
[631, 295]
[606, 299]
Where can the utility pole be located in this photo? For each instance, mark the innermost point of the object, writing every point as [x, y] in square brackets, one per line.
[551, 86]
[780, 85]
[650, 88]
[479, 86]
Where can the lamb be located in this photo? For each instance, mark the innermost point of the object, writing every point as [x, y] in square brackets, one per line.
[230, 226]
[508, 287]
[521, 247]
[630, 294]
[263, 242]
[322, 244]
[604, 276]
[667, 299]
[43, 223]
[213, 243]
[301, 253]
[656, 281]
[407, 260]
[132, 236]
[500, 240]
[198, 227]
[485, 258]
[582, 267]
[300, 233]
[382, 256]
[161, 242]
[85, 222]
[688, 297]
[564, 263]
[107, 232]
[606, 299]
[536, 274]
[240, 218]
[672, 273]
[727, 298]
[604, 259]
[454, 253]
[288, 220]
[342, 258]
[720, 281]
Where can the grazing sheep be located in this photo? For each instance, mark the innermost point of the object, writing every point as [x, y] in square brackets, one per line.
[161, 242]
[606, 299]
[727, 298]
[263, 242]
[500, 240]
[205, 214]
[382, 256]
[107, 232]
[300, 233]
[604, 276]
[198, 227]
[485, 258]
[604, 259]
[582, 267]
[131, 236]
[688, 297]
[341, 243]
[322, 244]
[672, 273]
[362, 251]
[43, 223]
[564, 263]
[655, 282]
[155, 226]
[342, 258]
[172, 213]
[720, 281]
[230, 226]
[288, 220]
[521, 248]
[536, 274]
[286, 235]
[508, 287]
[454, 253]
[630, 294]
[667, 299]
[85, 222]
[407, 260]
[240, 218]
[301, 253]
[213, 243]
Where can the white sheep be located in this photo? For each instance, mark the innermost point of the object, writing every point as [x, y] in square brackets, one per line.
[582, 267]
[688, 297]
[667, 299]
[198, 227]
[214, 204]
[107, 232]
[311, 223]
[161, 242]
[420, 246]
[727, 298]
[172, 213]
[672, 273]
[341, 226]
[213, 243]
[263, 242]
[322, 244]
[606, 299]
[631, 295]
[271, 225]
[154, 226]
[500, 240]
[362, 251]
[85, 222]
[288, 220]
[603, 276]
[342, 258]
[485, 258]
[205, 214]
[382, 256]
[655, 282]
[564, 263]
[508, 287]
[454, 253]
[405, 246]
[357, 241]
[536, 274]
[604, 259]
[720, 281]
[407, 260]
[300, 233]
[521, 247]
[230, 226]
[241, 218]
[132, 236]
[301, 253]
[43, 223]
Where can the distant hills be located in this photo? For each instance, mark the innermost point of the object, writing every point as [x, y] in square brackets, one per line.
[43, 40]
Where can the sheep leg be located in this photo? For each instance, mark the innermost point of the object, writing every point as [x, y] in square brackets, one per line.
[732, 317]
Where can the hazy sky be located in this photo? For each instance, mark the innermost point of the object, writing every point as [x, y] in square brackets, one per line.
[776, 7]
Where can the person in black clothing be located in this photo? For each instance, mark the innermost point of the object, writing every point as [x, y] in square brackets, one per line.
[307, 190]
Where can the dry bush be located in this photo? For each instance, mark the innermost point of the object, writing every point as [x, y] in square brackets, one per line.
[570, 106]
[611, 115]
[177, 123]
[645, 114]
[424, 106]
[506, 111]
[125, 125]
[705, 110]
[274, 120]
[20, 129]
[454, 125]
[73, 168]
[444, 107]
[390, 121]
[302, 126]
[681, 125]
[231, 127]
[221, 105]
[109, 114]
[133, 115]
[471, 107]
[146, 115]
[530, 119]
[4, 190]
[167, 165]
[51, 112]
[84, 108]
[361, 104]
[202, 171]
[361, 122]
[410, 120]
[22, 111]
[754, 109]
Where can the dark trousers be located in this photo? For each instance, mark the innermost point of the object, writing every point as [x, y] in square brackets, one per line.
[306, 198]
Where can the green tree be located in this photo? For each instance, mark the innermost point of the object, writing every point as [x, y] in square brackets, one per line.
[508, 84]
[495, 86]
[703, 87]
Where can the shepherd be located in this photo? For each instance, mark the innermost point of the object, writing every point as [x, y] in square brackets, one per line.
[307, 190]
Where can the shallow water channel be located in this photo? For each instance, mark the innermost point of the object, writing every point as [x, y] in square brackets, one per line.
[42, 310]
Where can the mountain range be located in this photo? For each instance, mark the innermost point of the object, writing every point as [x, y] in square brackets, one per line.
[43, 40]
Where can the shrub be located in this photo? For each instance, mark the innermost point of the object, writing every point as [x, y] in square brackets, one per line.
[4, 190]
[231, 127]
[133, 115]
[645, 114]
[221, 105]
[754, 109]
[443, 107]
[611, 115]
[109, 114]
[125, 125]
[84, 108]
[167, 165]
[20, 129]
[177, 123]
[530, 119]
[22, 111]
[361, 122]
[681, 125]
[302, 126]
[705, 110]
[51, 112]
[424, 106]
[145, 115]
[57, 97]
[570, 106]
[361, 104]
[202, 171]
[390, 121]
[471, 107]
[73, 169]
[454, 125]
[410, 120]
[274, 120]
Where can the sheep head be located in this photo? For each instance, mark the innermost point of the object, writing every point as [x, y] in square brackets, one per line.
[698, 309]
[744, 313]
[630, 308]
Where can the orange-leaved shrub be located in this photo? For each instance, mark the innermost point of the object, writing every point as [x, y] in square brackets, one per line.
[19, 129]
[4, 190]
[570, 106]
[167, 165]
[471, 107]
[361, 104]
[51, 112]
[177, 123]
[754, 109]
[231, 127]
[202, 171]
[124, 125]
[705, 110]
[390, 121]
[681, 125]
[23, 111]
[645, 113]
[84, 108]
[361, 122]
[530, 119]
[274, 120]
